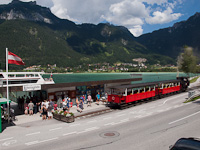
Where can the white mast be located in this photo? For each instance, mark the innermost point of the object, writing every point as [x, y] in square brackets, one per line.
[7, 73]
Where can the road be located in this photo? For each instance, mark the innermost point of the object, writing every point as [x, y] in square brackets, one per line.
[150, 126]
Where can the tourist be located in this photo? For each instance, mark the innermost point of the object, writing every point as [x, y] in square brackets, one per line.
[68, 103]
[51, 103]
[35, 105]
[89, 100]
[55, 106]
[30, 106]
[81, 104]
[78, 105]
[98, 98]
[77, 102]
[49, 111]
[106, 97]
[44, 112]
[26, 109]
[59, 102]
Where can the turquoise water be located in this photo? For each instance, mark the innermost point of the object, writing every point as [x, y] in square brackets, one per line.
[84, 77]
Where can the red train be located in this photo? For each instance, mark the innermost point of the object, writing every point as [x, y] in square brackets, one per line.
[135, 92]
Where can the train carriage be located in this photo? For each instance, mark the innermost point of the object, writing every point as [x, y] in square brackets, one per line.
[125, 94]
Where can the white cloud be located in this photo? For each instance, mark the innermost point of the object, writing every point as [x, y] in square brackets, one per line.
[5, 1]
[163, 17]
[132, 14]
[136, 30]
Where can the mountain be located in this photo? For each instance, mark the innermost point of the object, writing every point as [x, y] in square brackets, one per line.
[41, 38]
[170, 41]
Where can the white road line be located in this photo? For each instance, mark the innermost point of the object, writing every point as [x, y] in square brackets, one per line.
[184, 117]
[140, 116]
[73, 125]
[32, 133]
[122, 121]
[55, 129]
[142, 110]
[6, 139]
[89, 129]
[152, 107]
[37, 142]
[92, 121]
[132, 112]
[172, 98]
[31, 143]
[70, 133]
[107, 124]
[107, 118]
[115, 123]
[121, 115]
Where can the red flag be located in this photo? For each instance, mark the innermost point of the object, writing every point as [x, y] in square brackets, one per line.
[14, 59]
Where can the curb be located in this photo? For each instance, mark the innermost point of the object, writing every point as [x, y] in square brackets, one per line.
[92, 112]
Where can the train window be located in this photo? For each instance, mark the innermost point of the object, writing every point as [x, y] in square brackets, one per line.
[116, 92]
[1, 76]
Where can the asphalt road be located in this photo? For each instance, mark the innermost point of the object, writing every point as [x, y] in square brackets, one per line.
[150, 126]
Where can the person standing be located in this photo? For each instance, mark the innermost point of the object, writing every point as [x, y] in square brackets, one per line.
[98, 98]
[44, 112]
[49, 111]
[30, 106]
[81, 105]
[55, 106]
[51, 103]
[106, 97]
[89, 100]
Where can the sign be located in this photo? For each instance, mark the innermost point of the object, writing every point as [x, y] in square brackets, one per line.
[31, 87]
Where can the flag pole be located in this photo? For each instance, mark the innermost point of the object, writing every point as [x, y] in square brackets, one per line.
[7, 73]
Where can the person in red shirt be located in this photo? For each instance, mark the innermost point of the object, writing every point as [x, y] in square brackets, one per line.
[55, 106]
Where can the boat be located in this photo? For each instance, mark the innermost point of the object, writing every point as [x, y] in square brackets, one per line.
[23, 78]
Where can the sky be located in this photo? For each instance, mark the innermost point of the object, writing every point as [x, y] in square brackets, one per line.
[139, 16]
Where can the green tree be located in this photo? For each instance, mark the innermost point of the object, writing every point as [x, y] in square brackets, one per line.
[187, 62]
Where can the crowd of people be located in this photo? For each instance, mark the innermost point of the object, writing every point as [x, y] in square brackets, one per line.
[32, 105]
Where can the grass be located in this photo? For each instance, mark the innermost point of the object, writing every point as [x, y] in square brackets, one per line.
[194, 99]
[194, 80]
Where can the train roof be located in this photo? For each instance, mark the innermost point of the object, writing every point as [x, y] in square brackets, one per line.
[143, 84]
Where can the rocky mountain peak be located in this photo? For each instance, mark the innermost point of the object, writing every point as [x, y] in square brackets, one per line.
[27, 11]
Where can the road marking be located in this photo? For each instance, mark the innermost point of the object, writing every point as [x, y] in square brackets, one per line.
[115, 123]
[121, 115]
[6, 139]
[92, 121]
[31, 143]
[140, 116]
[184, 117]
[172, 98]
[122, 121]
[55, 129]
[132, 112]
[75, 125]
[70, 133]
[152, 107]
[37, 142]
[89, 129]
[32, 133]
[107, 118]
[108, 123]
[8, 143]
[142, 110]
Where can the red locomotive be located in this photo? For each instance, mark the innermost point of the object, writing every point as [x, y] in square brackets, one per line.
[125, 94]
